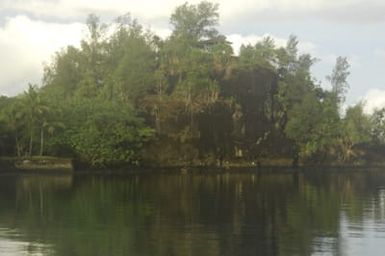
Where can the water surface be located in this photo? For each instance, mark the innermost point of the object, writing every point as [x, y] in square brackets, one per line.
[214, 214]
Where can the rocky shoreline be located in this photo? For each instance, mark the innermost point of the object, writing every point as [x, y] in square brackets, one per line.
[36, 164]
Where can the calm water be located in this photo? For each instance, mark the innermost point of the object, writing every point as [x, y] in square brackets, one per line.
[322, 213]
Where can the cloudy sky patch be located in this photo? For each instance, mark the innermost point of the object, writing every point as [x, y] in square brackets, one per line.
[26, 44]
[350, 10]
[374, 99]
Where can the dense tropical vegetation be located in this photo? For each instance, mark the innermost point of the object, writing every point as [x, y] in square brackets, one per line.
[128, 96]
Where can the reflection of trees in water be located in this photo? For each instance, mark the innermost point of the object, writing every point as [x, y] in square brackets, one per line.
[22, 212]
[190, 214]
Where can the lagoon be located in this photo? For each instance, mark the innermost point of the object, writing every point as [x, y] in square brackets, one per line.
[307, 212]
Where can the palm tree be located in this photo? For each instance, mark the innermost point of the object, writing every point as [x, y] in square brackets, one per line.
[14, 117]
[36, 112]
[50, 127]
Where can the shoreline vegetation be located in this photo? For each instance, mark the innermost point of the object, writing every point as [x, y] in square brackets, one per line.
[48, 164]
[37, 163]
[127, 97]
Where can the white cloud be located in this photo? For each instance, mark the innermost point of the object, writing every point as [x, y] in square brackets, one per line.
[237, 40]
[379, 53]
[308, 47]
[79, 8]
[353, 59]
[280, 10]
[26, 44]
[374, 99]
[229, 9]
[162, 32]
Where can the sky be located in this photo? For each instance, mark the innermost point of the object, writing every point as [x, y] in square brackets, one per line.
[31, 31]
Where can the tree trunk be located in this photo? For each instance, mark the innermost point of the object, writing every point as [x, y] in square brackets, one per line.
[17, 146]
[41, 141]
[30, 143]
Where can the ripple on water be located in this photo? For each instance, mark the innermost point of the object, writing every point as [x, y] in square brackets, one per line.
[12, 243]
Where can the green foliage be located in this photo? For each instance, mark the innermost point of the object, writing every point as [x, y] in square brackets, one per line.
[262, 54]
[356, 131]
[102, 102]
[357, 124]
[7, 123]
[338, 79]
[313, 125]
[195, 21]
[377, 121]
[103, 133]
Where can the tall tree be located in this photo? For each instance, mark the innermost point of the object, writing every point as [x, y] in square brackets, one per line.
[193, 51]
[131, 62]
[338, 79]
[377, 120]
[35, 110]
[195, 22]
[356, 131]
[93, 53]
